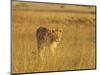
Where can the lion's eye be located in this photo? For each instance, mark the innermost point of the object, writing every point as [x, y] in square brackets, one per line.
[52, 30]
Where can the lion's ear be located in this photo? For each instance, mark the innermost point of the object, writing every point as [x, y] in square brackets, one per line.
[60, 30]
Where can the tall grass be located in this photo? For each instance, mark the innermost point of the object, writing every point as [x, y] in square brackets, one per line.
[76, 49]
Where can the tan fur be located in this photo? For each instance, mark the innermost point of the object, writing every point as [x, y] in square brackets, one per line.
[47, 39]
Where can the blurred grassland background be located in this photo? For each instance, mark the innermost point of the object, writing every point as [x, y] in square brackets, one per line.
[76, 49]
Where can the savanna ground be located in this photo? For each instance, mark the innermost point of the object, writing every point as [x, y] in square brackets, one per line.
[76, 49]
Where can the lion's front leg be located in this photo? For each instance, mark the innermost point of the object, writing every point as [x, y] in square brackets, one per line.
[53, 47]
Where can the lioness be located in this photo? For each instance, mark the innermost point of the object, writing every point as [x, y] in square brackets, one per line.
[47, 39]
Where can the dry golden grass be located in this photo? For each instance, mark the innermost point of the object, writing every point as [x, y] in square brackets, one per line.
[76, 49]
